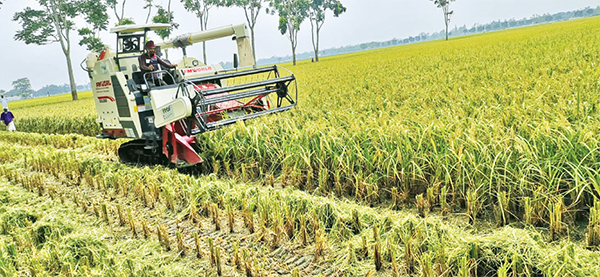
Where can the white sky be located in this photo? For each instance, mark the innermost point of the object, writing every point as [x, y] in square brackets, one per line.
[364, 21]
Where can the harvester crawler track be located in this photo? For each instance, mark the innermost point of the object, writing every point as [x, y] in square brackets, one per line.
[137, 152]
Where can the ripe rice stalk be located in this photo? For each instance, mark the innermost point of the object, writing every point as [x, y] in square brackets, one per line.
[409, 258]
[377, 249]
[351, 254]
[303, 231]
[105, 212]
[211, 250]
[216, 166]
[337, 182]
[395, 199]
[527, 211]
[249, 219]
[215, 215]
[423, 205]
[464, 268]
[131, 222]
[444, 201]
[289, 223]
[319, 245]
[473, 205]
[503, 270]
[120, 215]
[162, 229]
[342, 231]
[159, 234]
[197, 243]
[218, 261]
[395, 268]
[230, 217]
[193, 212]
[501, 211]
[593, 229]
[180, 245]
[431, 196]
[257, 268]
[85, 206]
[227, 166]
[236, 256]
[365, 246]
[146, 229]
[426, 261]
[323, 179]
[556, 224]
[247, 263]
[356, 223]
[277, 234]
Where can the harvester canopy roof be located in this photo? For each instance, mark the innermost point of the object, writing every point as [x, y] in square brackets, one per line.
[139, 28]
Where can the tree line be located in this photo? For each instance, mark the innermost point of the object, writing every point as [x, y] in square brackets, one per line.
[423, 36]
[22, 89]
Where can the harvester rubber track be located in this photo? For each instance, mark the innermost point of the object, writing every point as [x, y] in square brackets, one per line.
[137, 152]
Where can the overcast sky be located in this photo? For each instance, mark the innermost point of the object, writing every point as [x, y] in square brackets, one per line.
[364, 21]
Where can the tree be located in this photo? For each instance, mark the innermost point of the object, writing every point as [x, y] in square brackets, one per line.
[316, 12]
[165, 16]
[23, 87]
[445, 5]
[251, 10]
[200, 8]
[148, 6]
[291, 15]
[53, 23]
[113, 5]
[95, 15]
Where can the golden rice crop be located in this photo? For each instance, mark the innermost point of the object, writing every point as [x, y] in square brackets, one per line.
[319, 222]
[506, 117]
[511, 113]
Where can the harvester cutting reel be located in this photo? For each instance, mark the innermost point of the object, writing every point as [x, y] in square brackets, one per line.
[208, 103]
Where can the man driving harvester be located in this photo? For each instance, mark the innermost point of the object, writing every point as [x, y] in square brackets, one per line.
[149, 62]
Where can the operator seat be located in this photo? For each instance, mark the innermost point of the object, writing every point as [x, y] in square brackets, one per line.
[138, 77]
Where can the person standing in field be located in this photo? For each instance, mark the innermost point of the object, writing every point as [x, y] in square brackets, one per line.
[8, 117]
[4, 103]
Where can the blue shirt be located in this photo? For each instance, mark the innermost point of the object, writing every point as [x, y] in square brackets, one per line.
[7, 117]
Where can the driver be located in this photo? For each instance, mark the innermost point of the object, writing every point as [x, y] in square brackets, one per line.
[149, 62]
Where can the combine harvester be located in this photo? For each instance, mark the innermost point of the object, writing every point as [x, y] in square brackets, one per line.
[163, 120]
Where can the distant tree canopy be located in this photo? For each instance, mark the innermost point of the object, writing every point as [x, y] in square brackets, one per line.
[291, 15]
[22, 88]
[316, 15]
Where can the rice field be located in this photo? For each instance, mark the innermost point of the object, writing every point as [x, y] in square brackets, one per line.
[472, 157]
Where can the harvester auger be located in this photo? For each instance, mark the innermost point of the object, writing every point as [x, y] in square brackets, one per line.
[165, 118]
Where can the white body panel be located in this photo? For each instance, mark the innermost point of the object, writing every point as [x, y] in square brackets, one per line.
[114, 108]
[174, 110]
